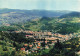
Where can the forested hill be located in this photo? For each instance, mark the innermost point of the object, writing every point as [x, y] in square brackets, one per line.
[72, 14]
[16, 15]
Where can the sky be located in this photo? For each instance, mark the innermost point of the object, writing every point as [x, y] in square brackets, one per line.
[72, 5]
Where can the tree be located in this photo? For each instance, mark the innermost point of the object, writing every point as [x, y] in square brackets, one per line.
[57, 49]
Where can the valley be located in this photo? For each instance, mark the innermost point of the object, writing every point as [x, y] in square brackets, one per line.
[39, 33]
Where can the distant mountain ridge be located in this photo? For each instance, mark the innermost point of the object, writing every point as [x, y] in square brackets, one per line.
[36, 12]
[16, 15]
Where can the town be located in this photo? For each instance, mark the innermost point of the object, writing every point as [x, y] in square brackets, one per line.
[40, 40]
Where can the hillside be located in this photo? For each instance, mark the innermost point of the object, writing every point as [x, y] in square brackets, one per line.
[73, 17]
[63, 26]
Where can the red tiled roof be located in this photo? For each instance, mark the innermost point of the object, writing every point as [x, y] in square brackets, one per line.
[22, 48]
[38, 47]
[30, 45]
[25, 44]
[27, 35]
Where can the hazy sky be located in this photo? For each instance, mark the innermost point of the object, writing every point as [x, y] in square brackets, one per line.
[41, 4]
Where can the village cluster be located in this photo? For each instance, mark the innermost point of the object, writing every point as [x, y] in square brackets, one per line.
[43, 40]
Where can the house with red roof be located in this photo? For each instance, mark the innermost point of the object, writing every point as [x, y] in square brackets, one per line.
[23, 49]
